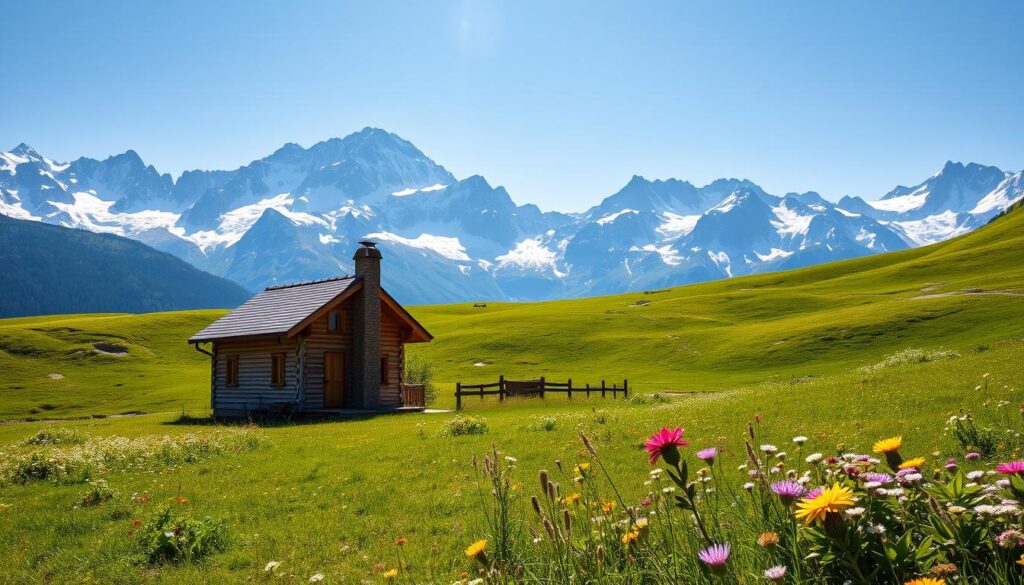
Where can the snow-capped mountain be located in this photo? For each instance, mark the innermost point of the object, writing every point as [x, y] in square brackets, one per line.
[298, 213]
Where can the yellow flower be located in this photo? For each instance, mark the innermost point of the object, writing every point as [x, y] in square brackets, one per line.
[832, 500]
[1020, 561]
[888, 445]
[572, 498]
[630, 536]
[926, 581]
[608, 507]
[476, 549]
[581, 469]
[915, 462]
[390, 574]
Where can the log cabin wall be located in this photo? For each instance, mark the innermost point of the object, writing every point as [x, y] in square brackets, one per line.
[318, 341]
[254, 390]
[391, 347]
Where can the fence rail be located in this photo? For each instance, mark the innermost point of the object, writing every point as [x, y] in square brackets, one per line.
[505, 388]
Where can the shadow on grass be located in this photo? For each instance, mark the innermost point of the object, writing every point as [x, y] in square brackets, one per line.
[269, 420]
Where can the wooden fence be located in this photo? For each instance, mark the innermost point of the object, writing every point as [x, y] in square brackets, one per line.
[505, 388]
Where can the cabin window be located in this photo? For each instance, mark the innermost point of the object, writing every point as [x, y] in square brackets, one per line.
[232, 374]
[334, 321]
[277, 370]
[384, 370]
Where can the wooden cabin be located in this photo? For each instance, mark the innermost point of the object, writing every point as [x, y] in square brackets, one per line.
[331, 344]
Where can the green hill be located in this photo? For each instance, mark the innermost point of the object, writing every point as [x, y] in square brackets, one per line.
[961, 294]
[49, 269]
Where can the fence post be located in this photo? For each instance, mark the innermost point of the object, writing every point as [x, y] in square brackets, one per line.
[625, 388]
[588, 390]
[602, 388]
[458, 396]
[570, 389]
[542, 386]
[501, 388]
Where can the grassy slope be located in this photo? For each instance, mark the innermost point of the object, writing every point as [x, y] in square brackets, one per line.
[333, 497]
[806, 322]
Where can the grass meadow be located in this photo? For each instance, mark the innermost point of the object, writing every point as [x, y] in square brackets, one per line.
[819, 352]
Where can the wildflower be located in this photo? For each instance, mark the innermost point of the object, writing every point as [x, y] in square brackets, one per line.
[748, 486]
[478, 551]
[972, 475]
[630, 536]
[972, 456]
[814, 493]
[1020, 561]
[855, 512]
[390, 574]
[768, 539]
[951, 464]
[665, 444]
[813, 458]
[608, 507]
[880, 478]
[831, 501]
[400, 541]
[1011, 468]
[915, 463]
[581, 469]
[715, 557]
[788, 491]
[888, 445]
[1010, 538]
[956, 509]
[926, 581]
[769, 449]
[656, 472]
[776, 573]
[800, 440]
[707, 455]
[876, 529]
[943, 569]
[572, 498]
[271, 566]
[316, 578]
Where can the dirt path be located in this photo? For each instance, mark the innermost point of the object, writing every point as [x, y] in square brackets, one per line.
[967, 292]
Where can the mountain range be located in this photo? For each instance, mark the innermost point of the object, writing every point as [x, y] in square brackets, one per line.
[298, 213]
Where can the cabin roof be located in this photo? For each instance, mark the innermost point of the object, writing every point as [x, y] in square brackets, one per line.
[277, 309]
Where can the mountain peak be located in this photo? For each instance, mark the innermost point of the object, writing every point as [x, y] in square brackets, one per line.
[25, 150]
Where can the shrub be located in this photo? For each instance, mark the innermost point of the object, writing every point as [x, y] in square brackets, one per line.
[544, 423]
[652, 398]
[910, 356]
[99, 491]
[464, 425]
[177, 537]
[57, 436]
[420, 371]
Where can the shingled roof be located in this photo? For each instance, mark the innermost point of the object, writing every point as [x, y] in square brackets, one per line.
[276, 310]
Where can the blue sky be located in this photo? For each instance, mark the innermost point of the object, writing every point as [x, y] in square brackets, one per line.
[559, 102]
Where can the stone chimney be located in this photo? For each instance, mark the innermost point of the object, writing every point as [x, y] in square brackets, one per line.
[366, 329]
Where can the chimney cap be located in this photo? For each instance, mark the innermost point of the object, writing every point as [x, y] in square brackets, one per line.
[368, 243]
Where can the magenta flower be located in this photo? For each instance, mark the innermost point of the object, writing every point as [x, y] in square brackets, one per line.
[788, 491]
[814, 493]
[1011, 468]
[665, 444]
[715, 557]
[951, 464]
[972, 456]
[707, 455]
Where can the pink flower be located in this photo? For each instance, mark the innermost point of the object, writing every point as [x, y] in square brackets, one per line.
[972, 456]
[775, 573]
[715, 557]
[665, 444]
[787, 491]
[814, 493]
[1011, 468]
[707, 455]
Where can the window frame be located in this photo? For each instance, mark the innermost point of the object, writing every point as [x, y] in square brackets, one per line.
[279, 380]
[231, 371]
[334, 314]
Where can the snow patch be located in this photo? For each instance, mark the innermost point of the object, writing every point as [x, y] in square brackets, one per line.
[998, 200]
[772, 255]
[675, 225]
[92, 213]
[328, 239]
[450, 248]
[902, 203]
[934, 228]
[412, 190]
[613, 216]
[720, 258]
[530, 254]
[790, 222]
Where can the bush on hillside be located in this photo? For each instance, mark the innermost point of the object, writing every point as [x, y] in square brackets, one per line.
[544, 423]
[464, 425]
[420, 371]
[652, 398]
[99, 492]
[911, 356]
[57, 436]
[177, 537]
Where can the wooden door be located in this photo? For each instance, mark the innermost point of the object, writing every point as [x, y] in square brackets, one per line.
[334, 379]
